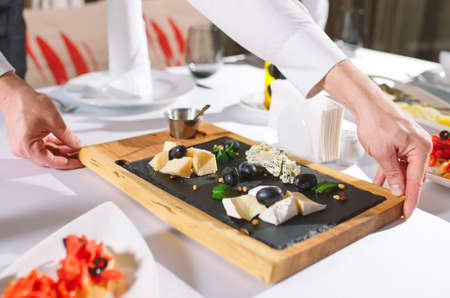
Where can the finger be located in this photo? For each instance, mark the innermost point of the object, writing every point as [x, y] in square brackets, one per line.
[414, 181]
[61, 149]
[379, 177]
[40, 155]
[52, 140]
[66, 136]
[393, 172]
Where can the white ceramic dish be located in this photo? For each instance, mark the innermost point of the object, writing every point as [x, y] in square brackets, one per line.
[106, 223]
[435, 78]
[167, 87]
[438, 179]
[254, 102]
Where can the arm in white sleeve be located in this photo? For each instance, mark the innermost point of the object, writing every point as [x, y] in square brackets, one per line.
[4, 65]
[279, 31]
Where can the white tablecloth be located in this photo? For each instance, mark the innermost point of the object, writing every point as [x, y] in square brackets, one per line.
[403, 260]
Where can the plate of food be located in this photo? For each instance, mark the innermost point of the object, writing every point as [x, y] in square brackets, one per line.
[430, 111]
[100, 254]
[435, 78]
[266, 211]
[167, 87]
[439, 162]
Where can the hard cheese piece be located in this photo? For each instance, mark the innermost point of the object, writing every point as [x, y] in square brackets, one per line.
[280, 212]
[168, 145]
[245, 207]
[178, 167]
[305, 205]
[204, 162]
[159, 160]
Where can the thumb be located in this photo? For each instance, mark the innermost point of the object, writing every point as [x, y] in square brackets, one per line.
[393, 172]
[67, 137]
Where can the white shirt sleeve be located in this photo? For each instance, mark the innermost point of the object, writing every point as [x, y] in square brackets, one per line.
[4, 65]
[279, 31]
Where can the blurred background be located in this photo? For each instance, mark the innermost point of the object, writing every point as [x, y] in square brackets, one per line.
[416, 28]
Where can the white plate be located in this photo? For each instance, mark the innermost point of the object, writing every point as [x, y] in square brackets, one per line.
[106, 223]
[254, 102]
[166, 88]
[438, 179]
[435, 78]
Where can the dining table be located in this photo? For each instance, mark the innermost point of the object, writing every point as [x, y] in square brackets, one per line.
[403, 259]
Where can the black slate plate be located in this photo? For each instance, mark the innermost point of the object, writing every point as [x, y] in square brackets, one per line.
[295, 230]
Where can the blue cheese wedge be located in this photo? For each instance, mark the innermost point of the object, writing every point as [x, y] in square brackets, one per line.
[245, 207]
[203, 161]
[305, 205]
[275, 161]
[280, 212]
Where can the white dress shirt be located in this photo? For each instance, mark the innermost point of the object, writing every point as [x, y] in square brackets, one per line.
[4, 65]
[279, 31]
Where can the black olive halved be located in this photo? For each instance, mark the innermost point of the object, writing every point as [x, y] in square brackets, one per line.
[247, 170]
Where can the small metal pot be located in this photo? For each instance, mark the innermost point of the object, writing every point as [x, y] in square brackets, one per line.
[182, 125]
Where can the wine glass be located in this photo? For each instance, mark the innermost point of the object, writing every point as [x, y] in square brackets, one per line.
[351, 35]
[204, 50]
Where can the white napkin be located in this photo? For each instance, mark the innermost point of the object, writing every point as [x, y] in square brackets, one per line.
[307, 128]
[129, 75]
[444, 59]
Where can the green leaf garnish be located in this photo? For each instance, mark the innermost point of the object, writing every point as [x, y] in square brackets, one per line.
[221, 191]
[221, 155]
[325, 187]
[230, 152]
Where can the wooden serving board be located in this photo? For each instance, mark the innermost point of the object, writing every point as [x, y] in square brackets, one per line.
[256, 257]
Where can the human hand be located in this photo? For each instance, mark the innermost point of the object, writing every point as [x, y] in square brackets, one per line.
[398, 143]
[30, 118]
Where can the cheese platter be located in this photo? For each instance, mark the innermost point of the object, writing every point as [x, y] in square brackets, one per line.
[264, 210]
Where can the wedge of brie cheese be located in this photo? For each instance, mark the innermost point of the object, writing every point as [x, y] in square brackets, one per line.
[203, 161]
[159, 160]
[168, 145]
[245, 207]
[178, 167]
[305, 205]
[280, 212]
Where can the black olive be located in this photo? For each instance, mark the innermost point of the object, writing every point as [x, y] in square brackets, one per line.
[101, 262]
[65, 242]
[269, 195]
[247, 170]
[444, 134]
[177, 152]
[229, 169]
[231, 178]
[304, 182]
[235, 144]
[95, 271]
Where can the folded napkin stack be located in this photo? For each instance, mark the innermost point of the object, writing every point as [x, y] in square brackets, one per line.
[444, 59]
[309, 128]
[129, 75]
